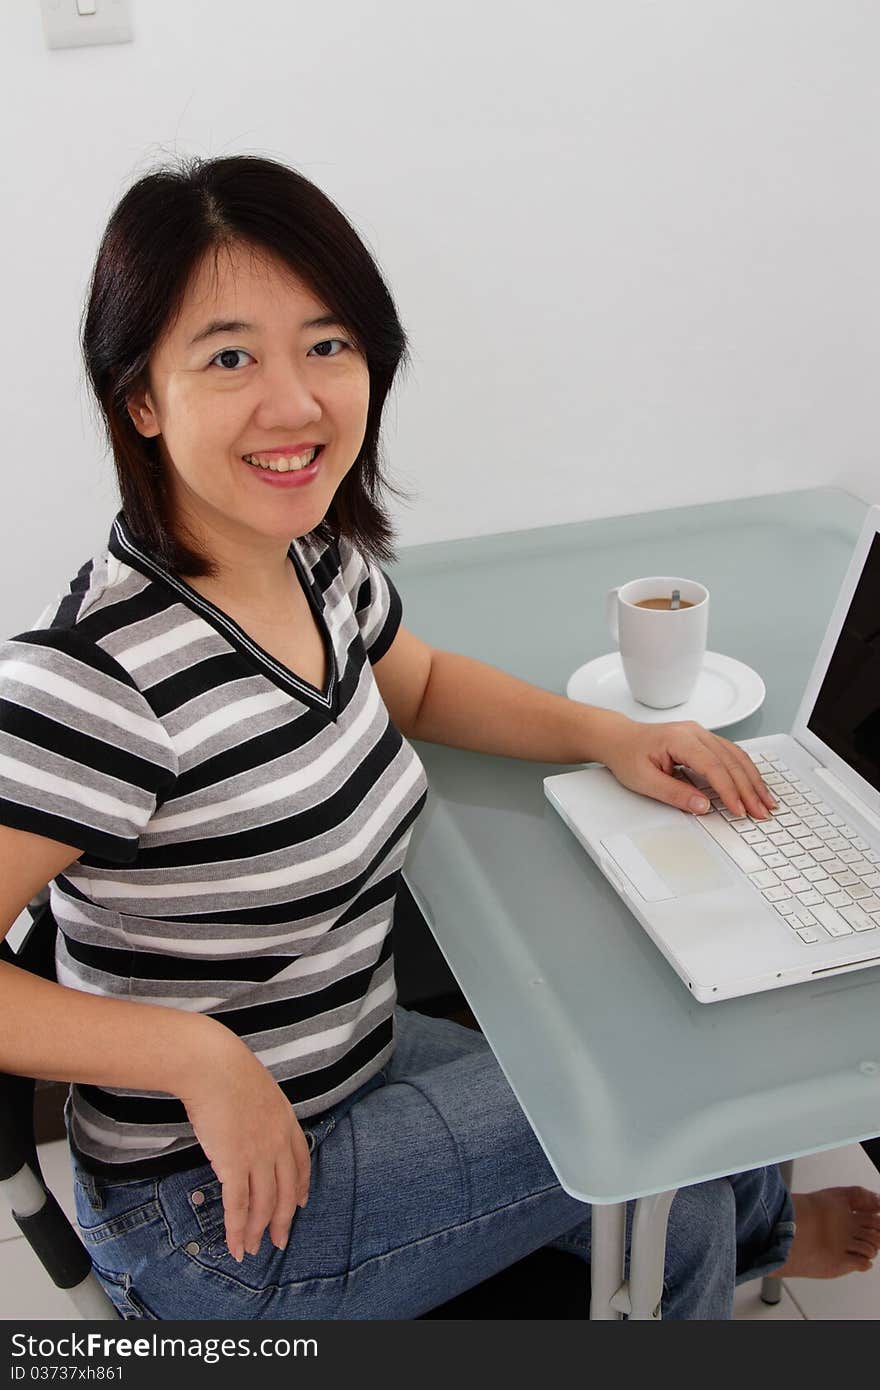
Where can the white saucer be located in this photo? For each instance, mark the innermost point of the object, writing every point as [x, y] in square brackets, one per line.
[727, 690]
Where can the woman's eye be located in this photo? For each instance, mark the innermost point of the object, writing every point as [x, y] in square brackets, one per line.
[328, 342]
[226, 358]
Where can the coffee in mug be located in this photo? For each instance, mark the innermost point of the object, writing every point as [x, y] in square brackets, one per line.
[662, 603]
[661, 648]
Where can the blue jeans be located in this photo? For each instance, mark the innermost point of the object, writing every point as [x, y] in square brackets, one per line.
[424, 1182]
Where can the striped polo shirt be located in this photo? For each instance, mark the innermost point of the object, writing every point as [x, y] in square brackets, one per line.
[243, 832]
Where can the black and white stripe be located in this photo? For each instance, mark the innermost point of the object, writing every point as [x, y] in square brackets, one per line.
[242, 832]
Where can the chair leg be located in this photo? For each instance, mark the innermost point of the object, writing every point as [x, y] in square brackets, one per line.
[771, 1287]
[56, 1245]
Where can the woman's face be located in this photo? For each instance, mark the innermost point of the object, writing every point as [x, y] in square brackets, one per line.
[241, 373]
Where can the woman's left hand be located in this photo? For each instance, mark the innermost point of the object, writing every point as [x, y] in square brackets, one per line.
[644, 756]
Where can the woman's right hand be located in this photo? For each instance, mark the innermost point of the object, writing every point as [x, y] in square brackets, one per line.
[253, 1141]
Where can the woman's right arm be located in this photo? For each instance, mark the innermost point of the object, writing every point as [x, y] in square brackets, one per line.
[244, 1122]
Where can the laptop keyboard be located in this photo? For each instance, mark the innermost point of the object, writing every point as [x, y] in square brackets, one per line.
[815, 870]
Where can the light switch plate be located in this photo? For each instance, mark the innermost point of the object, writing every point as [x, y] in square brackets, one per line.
[65, 27]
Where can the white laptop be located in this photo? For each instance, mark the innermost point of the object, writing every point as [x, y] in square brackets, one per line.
[736, 905]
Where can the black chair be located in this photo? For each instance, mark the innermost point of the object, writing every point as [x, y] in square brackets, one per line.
[547, 1284]
[34, 1208]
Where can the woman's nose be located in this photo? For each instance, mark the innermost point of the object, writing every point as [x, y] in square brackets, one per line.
[286, 398]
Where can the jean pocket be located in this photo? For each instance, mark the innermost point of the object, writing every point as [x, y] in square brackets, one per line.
[121, 1218]
[122, 1295]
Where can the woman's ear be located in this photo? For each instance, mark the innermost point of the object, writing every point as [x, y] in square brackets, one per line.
[143, 413]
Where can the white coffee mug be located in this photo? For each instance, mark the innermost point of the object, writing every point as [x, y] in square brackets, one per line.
[662, 650]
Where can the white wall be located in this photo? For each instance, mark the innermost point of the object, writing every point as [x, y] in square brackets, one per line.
[634, 243]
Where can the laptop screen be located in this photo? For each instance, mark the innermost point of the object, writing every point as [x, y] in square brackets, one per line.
[846, 715]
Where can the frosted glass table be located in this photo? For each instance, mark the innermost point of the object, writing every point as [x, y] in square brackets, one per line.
[632, 1087]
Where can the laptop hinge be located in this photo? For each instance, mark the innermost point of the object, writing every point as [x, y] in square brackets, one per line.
[835, 785]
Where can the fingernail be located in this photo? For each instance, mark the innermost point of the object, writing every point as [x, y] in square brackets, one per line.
[740, 808]
[699, 804]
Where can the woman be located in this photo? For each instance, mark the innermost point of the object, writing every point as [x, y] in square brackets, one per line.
[206, 755]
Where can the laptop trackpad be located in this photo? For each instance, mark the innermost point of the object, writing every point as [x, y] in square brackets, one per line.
[666, 862]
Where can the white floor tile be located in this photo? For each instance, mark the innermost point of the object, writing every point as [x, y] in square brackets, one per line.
[747, 1305]
[854, 1297]
[8, 1228]
[28, 1292]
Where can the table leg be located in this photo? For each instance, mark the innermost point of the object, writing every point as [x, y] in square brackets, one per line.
[771, 1287]
[607, 1253]
[648, 1255]
[639, 1297]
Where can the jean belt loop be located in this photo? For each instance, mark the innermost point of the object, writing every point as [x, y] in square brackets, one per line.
[93, 1191]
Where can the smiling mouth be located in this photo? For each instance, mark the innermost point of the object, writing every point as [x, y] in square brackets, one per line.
[283, 463]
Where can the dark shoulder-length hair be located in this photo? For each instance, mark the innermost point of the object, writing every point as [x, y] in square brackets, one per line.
[154, 241]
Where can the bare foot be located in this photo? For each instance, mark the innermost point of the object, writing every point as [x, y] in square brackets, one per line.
[838, 1231]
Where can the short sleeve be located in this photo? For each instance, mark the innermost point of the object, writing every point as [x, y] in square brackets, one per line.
[83, 758]
[374, 599]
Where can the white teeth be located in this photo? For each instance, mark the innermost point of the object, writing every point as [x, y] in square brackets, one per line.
[291, 463]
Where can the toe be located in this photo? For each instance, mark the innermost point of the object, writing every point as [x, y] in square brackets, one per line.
[863, 1199]
[862, 1247]
[868, 1234]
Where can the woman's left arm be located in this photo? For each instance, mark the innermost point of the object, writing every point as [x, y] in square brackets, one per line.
[441, 697]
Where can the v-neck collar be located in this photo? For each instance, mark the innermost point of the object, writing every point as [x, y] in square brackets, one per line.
[123, 545]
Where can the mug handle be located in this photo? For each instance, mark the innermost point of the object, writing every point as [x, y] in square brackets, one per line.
[611, 614]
